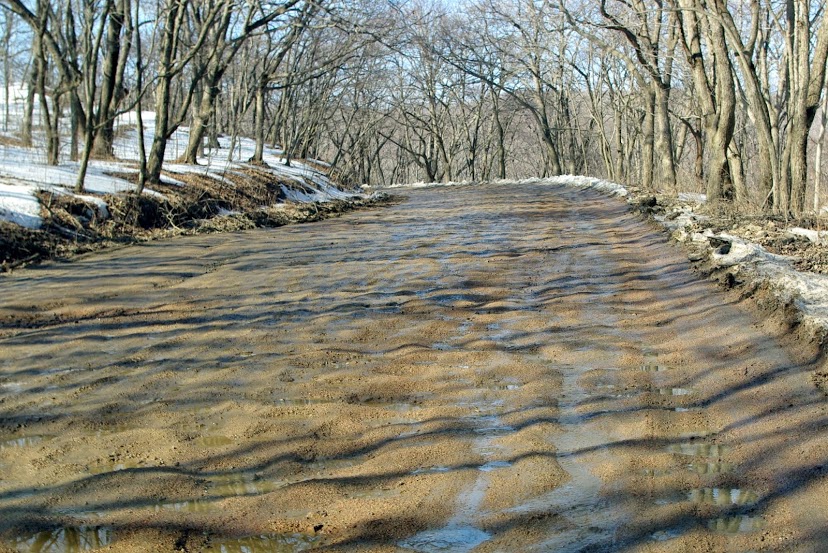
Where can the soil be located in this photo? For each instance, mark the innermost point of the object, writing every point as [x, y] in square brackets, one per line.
[74, 226]
[487, 368]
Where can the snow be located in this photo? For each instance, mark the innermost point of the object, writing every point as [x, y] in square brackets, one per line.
[808, 292]
[815, 237]
[692, 198]
[24, 170]
[19, 205]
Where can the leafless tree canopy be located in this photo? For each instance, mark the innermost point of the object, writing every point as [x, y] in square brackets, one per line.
[671, 95]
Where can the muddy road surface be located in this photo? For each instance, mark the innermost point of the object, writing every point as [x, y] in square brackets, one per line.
[489, 368]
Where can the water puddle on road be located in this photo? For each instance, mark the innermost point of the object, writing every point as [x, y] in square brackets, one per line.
[459, 535]
[70, 539]
[653, 368]
[265, 543]
[241, 484]
[737, 524]
[674, 391]
[454, 537]
[431, 470]
[22, 441]
[711, 468]
[711, 451]
[187, 506]
[722, 496]
[580, 500]
[494, 465]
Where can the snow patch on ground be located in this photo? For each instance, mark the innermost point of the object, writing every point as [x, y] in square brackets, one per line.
[815, 237]
[19, 205]
[24, 170]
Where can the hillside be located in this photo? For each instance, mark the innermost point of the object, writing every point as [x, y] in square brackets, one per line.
[41, 217]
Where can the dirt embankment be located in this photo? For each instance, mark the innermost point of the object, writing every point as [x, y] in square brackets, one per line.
[249, 199]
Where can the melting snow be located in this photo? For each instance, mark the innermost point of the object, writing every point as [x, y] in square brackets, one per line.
[19, 205]
[23, 171]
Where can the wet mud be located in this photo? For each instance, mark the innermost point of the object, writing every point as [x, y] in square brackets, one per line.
[476, 369]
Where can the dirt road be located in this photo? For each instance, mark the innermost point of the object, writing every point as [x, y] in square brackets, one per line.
[491, 368]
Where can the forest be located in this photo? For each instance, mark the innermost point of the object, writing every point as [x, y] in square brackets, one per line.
[724, 97]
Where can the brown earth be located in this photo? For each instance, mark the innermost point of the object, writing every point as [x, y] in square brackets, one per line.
[488, 368]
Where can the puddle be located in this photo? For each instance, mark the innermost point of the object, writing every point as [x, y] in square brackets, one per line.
[442, 346]
[656, 472]
[266, 543]
[674, 391]
[431, 470]
[454, 537]
[738, 524]
[241, 483]
[505, 385]
[485, 423]
[213, 441]
[699, 450]
[494, 465]
[722, 496]
[590, 525]
[711, 468]
[190, 506]
[12, 387]
[391, 405]
[66, 540]
[22, 441]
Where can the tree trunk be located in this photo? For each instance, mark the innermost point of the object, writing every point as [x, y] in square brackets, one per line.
[104, 121]
[648, 140]
[201, 119]
[823, 120]
[28, 110]
[159, 139]
[7, 35]
[259, 117]
[664, 138]
[737, 175]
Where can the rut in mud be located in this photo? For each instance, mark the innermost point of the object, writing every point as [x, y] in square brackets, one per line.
[488, 368]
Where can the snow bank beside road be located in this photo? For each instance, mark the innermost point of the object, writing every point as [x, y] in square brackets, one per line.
[23, 171]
